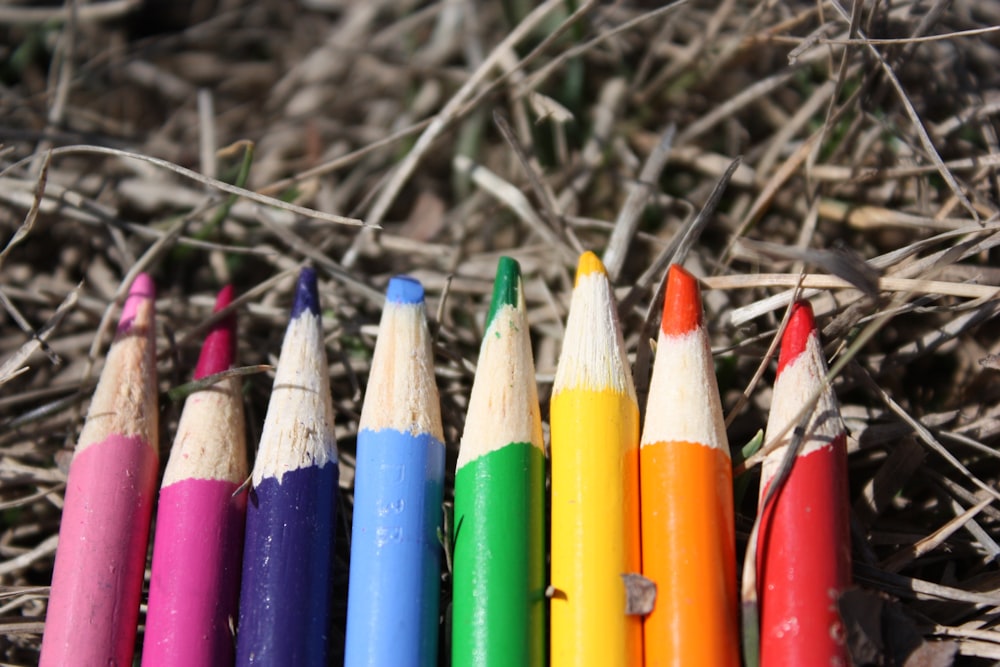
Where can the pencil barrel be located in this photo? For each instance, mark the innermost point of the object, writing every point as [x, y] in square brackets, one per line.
[194, 587]
[287, 573]
[595, 529]
[97, 582]
[804, 555]
[689, 552]
[499, 602]
[395, 551]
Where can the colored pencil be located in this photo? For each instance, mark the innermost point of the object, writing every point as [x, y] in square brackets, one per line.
[804, 545]
[287, 586]
[392, 601]
[498, 612]
[198, 545]
[97, 582]
[595, 484]
[688, 536]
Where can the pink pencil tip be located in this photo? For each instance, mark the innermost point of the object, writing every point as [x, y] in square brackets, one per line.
[142, 290]
[219, 348]
[681, 303]
[801, 325]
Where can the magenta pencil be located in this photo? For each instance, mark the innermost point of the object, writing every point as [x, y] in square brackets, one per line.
[94, 604]
[198, 546]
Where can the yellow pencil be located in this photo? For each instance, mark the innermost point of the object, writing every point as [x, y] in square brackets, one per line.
[595, 484]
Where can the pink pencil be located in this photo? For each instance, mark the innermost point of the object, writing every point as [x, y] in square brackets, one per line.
[804, 547]
[198, 548]
[94, 604]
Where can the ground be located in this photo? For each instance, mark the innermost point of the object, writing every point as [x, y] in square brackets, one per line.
[456, 132]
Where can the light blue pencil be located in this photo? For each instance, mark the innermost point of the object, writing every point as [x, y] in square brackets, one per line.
[392, 604]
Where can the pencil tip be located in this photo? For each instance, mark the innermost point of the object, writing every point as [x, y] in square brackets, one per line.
[306, 296]
[506, 287]
[141, 290]
[404, 289]
[219, 348]
[801, 325]
[589, 263]
[681, 303]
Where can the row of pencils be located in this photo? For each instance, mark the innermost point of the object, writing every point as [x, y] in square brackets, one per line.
[243, 573]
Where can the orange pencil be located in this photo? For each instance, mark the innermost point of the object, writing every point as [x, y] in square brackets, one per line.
[688, 537]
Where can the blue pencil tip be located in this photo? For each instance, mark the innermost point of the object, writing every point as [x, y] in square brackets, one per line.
[306, 297]
[404, 289]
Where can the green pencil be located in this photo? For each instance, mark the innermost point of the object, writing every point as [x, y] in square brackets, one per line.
[499, 597]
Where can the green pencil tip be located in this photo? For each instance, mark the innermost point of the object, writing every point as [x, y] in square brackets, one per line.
[506, 287]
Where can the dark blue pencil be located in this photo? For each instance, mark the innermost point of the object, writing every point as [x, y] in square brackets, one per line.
[392, 604]
[286, 594]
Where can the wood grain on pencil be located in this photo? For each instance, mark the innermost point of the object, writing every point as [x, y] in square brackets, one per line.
[394, 589]
[198, 546]
[688, 536]
[595, 484]
[499, 593]
[287, 582]
[804, 544]
[97, 582]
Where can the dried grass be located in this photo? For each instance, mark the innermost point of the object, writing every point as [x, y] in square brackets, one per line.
[868, 146]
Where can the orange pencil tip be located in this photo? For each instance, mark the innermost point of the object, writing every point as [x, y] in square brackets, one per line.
[800, 325]
[681, 303]
[589, 263]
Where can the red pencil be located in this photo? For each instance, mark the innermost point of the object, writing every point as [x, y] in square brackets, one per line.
[804, 545]
[94, 605]
[198, 548]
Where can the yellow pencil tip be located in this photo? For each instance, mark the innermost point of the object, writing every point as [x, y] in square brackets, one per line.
[589, 263]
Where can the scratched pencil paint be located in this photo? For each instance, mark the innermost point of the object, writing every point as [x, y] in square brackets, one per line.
[498, 613]
[287, 585]
[804, 543]
[198, 546]
[97, 582]
[392, 607]
[688, 536]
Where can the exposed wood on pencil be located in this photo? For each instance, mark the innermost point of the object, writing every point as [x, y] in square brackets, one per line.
[97, 582]
[804, 543]
[595, 484]
[287, 583]
[198, 546]
[498, 614]
[394, 589]
[688, 536]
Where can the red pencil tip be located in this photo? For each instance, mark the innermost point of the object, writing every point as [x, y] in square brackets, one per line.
[801, 325]
[219, 349]
[681, 303]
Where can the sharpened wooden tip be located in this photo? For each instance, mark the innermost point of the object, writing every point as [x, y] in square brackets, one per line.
[506, 287]
[681, 303]
[800, 325]
[589, 263]
[219, 348]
